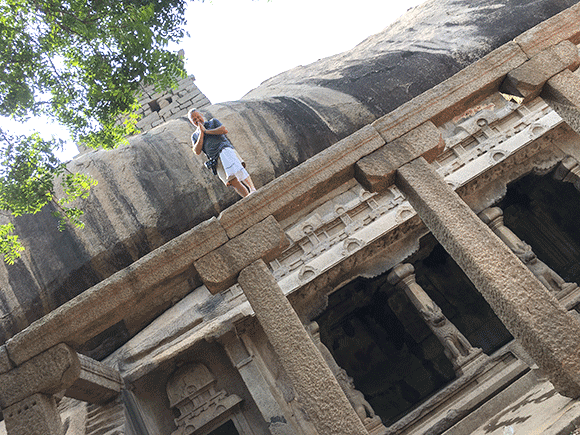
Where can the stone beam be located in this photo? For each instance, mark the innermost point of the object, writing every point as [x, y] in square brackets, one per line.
[35, 415]
[562, 93]
[97, 382]
[316, 387]
[376, 172]
[108, 302]
[534, 316]
[57, 369]
[48, 373]
[219, 269]
[302, 185]
[453, 96]
[528, 79]
[561, 27]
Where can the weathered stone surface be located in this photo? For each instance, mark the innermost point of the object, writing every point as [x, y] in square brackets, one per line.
[454, 95]
[154, 189]
[5, 363]
[48, 373]
[35, 415]
[561, 27]
[220, 268]
[562, 92]
[377, 171]
[111, 300]
[97, 383]
[317, 388]
[528, 79]
[311, 180]
[534, 316]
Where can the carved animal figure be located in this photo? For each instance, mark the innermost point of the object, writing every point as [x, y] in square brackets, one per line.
[455, 344]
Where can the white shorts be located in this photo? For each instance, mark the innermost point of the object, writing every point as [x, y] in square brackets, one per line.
[230, 166]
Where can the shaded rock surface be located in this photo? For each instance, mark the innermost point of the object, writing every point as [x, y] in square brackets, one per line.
[155, 188]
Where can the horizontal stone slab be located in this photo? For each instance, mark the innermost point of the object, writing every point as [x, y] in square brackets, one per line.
[302, 185]
[220, 268]
[377, 171]
[453, 96]
[561, 27]
[528, 79]
[48, 373]
[97, 382]
[108, 302]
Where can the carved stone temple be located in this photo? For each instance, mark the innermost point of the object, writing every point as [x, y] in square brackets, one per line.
[408, 266]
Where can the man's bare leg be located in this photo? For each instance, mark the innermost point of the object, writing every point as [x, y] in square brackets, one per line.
[248, 182]
[239, 187]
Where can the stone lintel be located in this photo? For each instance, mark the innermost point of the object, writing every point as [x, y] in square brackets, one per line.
[453, 96]
[48, 373]
[376, 171]
[109, 301]
[34, 415]
[316, 387]
[562, 93]
[533, 315]
[97, 382]
[560, 27]
[528, 79]
[219, 269]
[302, 185]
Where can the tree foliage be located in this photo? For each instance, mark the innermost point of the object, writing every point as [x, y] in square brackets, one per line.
[81, 63]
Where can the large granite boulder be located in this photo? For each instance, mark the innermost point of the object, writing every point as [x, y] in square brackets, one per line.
[155, 188]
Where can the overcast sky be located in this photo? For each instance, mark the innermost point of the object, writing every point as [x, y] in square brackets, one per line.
[234, 45]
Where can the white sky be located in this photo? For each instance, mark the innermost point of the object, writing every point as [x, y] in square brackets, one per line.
[235, 45]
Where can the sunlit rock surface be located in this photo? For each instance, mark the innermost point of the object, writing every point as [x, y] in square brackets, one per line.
[155, 188]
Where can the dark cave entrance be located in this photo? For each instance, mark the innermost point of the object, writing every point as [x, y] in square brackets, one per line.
[378, 337]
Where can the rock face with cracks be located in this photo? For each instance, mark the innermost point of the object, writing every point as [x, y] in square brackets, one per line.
[154, 189]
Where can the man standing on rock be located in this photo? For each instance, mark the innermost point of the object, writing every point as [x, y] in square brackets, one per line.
[223, 159]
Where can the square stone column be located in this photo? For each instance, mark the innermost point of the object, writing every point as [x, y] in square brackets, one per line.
[534, 316]
[35, 415]
[316, 387]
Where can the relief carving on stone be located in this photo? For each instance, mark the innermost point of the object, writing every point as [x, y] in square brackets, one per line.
[456, 347]
[357, 399]
[493, 217]
[192, 390]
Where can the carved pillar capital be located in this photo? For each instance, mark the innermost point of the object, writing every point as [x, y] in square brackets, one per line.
[36, 414]
[568, 171]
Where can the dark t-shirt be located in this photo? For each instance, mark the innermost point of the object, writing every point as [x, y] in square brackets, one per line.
[212, 143]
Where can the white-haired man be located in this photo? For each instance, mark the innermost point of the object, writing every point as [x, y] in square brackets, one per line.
[223, 159]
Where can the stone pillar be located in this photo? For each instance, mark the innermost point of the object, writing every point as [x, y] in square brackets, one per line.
[533, 315]
[35, 415]
[568, 171]
[257, 385]
[372, 422]
[562, 93]
[328, 408]
[462, 355]
[493, 217]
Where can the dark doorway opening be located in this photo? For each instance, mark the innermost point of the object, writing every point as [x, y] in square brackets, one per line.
[225, 429]
[376, 334]
[545, 213]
